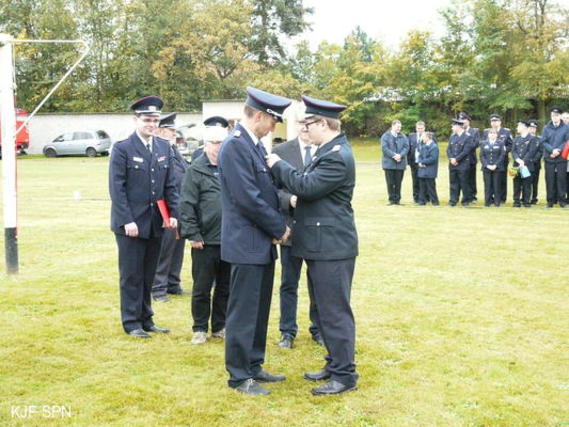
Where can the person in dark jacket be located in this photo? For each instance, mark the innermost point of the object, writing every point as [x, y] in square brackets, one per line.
[297, 152]
[492, 152]
[167, 276]
[475, 134]
[458, 152]
[140, 174]
[554, 136]
[200, 217]
[415, 140]
[536, 161]
[505, 136]
[324, 234]
[428, 166]
[395, 147]
[210, 121]
[523, 154]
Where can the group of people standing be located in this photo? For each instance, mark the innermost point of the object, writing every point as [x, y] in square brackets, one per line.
[496, 147]
[234, 204]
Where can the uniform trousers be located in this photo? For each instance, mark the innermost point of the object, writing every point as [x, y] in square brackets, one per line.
[290, 276]
[493, 188]
[137, 264]
[522, 186]
[207, 269]
[167, 277]
[504, 180]
[393, 178]
[556, 182]
[535, 181]
[331, 282]
[415, 180]
[428, 191]
[248, 307]
[472, 182]
[459, 183]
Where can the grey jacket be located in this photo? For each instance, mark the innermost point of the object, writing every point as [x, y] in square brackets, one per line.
[390, 146]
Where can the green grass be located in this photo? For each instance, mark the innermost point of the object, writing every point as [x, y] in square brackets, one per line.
[462, 319]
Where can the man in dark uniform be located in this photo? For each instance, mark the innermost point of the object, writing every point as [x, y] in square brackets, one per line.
[325, 236]
[394, 147]
[251, 225]
[297, 152]
[140, 174]
[504, 136]
[210, 121]
[458, 152]
[415, 139]
[536, 161]
[523, 153]
[475, 134]
[554, 136]
[167, 276]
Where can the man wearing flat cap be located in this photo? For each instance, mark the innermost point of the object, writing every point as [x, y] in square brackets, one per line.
[505, 137]
[555, 135]
[251, 226]
[167, 278]
[140, 174]
[324, 235]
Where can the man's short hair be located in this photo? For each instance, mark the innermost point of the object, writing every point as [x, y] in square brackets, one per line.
[395, 122]
[420, 123]
[249, 111]
[429, 135]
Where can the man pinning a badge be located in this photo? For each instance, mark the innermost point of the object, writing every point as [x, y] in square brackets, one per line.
[140, 174]
[325, 237]
[251, 225]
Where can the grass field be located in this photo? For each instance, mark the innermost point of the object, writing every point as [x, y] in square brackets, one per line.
[462, 319]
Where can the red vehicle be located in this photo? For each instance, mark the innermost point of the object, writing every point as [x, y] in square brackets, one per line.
[23, 137]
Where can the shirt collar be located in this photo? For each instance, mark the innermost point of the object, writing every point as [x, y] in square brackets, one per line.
[144, 141]
[251, 134]
[302, 146]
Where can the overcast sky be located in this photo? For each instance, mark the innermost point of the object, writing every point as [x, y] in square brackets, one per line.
[385, 20]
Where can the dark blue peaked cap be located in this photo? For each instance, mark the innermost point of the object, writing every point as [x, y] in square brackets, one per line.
[168, 121]
[457, 122]
[216, 121]
[148, 105]
[267, 102]
[322, 108]
[533, 123]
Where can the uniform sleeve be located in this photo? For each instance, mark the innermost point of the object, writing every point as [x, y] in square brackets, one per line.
[502, 156]
[241, 184]
[117, 185]
[384, 148]
[466, 149]
[483, 158]
[405, 148]
[432, 157]
[170, 188]
[329, 175]
[189, 208]
[530, 153]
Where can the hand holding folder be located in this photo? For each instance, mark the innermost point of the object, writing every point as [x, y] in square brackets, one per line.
[165, 212]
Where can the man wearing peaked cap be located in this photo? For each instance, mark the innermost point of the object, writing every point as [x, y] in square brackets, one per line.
[140, 174]
[523, 153]
[324, 235]
[251, 226]
[458, 152]
[504, 137]
[554, 136]
[167, 278]
[475, 134]
[533, 124]
[213, 121]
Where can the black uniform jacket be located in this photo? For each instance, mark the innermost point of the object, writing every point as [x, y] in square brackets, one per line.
[324, 227]
[137, 179]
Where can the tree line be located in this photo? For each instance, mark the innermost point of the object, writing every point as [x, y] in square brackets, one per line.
[504, 56]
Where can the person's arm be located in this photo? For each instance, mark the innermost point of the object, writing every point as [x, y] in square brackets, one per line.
[546, 144]
[330, 173]
[432, 157]
[240, 181]
[502, 156]
[117, 185]
[530, 153]
[171, 193]
[189, 208]
[466, 149]
[405, 147]
[384, 146]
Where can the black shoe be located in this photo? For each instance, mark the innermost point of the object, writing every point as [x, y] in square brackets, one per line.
[516, 205]
[286, 342]
[452, 205]
[527, 205]
[549, 205]
[179, 292]
[161, 298]
[155, 328]
[318, 340]
[317, 376]
[487, 204]
[264, 377]
[138, 333]
[333, 387]
[534, 202]
[563, 205]
[251, 387]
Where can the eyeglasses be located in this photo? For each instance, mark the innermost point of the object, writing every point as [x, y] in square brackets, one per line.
[308, 124]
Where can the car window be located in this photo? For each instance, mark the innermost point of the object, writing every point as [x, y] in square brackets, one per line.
[81, 135]
[101, 134]
[59, 138]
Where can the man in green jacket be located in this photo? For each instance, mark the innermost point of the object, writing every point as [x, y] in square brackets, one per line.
[200, 219]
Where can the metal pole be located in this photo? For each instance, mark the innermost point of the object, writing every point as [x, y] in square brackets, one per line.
[8, 125]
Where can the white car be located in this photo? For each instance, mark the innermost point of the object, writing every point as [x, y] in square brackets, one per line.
[79, 143]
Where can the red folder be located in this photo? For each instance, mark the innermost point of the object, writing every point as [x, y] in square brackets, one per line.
[164, 211]
[565, 152]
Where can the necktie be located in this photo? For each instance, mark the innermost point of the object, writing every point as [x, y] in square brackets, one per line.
[261, 149]
[148, 146]
[307, 156]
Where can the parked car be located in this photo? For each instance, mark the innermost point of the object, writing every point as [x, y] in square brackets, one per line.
[188, 139]
[82, 142]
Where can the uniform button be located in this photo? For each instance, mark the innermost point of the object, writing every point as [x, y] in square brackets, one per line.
[294, 221]
[151, 204]
[152, 169]
[152, 181]
[317, 224]
[153, 193]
